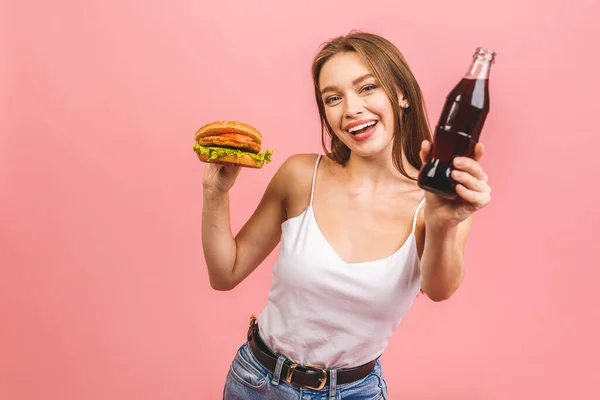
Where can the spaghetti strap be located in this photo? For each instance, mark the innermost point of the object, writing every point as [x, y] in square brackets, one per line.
[312, 190]
[414, 225]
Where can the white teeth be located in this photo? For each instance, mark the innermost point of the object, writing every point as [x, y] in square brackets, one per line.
[361, 126]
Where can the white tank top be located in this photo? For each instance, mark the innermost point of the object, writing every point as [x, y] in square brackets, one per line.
[324, 311]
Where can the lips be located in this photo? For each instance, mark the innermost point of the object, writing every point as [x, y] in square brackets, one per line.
[364, 133]
[356, 126]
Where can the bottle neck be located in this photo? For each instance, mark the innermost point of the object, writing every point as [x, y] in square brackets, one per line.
[481, 65]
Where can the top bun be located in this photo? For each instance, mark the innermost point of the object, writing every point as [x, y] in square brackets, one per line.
[219, 127]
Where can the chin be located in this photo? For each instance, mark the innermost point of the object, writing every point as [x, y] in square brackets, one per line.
[371, 148]
[369, 153]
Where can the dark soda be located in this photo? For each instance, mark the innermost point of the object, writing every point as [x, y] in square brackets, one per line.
[459, 126]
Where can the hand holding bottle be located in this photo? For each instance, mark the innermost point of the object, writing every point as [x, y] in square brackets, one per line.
[472, 189]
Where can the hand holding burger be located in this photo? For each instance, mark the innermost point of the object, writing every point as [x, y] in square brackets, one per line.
[231, 142]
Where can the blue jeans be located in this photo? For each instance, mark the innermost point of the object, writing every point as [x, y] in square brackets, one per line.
[248, 379]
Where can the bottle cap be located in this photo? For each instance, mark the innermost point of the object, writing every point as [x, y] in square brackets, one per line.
[485, 54]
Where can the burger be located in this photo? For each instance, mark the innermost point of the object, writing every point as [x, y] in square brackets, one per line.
[231, 142]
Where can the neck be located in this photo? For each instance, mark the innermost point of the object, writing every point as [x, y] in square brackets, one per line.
[377, 173]
[479, 69]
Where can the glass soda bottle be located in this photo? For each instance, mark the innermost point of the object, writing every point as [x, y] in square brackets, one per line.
[459, 126]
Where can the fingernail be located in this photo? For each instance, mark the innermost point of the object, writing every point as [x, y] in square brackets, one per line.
[458, 162]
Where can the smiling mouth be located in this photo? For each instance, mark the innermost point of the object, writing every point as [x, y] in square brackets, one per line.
[361, 128]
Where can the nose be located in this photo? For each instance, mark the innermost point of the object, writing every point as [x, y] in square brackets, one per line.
[353, 106]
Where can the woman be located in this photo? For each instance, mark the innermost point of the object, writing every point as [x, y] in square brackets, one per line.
[358, 238]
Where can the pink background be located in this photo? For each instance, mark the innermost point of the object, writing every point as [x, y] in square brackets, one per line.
[103, 288]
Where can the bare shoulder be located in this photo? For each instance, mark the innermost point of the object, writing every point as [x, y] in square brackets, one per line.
[295, 174]
[296, 166]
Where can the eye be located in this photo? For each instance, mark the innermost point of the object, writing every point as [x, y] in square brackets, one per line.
[331, 99]
[368, 88]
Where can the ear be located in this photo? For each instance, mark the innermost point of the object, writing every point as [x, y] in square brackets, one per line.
[401, 100]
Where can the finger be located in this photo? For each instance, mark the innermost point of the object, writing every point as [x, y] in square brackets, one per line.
[469, 181]
[212, 168]
[478, 152]
[424, 152]
[231, 170]
[471, 166]
[476, 199]
[229, 167]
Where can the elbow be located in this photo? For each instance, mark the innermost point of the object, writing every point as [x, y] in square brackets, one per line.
[439, 293]
[222, 285]
[441, 288]
[438, 296]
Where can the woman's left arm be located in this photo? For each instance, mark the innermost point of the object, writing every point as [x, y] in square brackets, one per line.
[448, 225]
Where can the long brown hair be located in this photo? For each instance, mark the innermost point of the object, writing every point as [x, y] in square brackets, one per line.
[388, 66]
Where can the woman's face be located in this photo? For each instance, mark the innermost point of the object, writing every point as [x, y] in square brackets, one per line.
[356, 106]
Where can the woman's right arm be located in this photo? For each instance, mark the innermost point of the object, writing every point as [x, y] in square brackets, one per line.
[231, 259]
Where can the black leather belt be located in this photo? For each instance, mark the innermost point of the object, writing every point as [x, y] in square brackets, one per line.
[307, 376]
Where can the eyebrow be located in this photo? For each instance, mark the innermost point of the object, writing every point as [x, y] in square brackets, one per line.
[354, 82]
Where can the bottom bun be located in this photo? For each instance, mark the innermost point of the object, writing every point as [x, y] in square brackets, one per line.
[242, 161]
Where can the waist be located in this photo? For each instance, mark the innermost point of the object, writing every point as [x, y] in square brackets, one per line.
[308, 376]
[344, 340]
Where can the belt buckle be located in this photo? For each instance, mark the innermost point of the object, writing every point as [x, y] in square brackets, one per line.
[322, 379]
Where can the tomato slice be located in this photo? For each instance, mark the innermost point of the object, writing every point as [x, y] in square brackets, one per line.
[237, 137]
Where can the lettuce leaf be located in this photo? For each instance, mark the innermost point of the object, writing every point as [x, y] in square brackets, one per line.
[214, 152]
